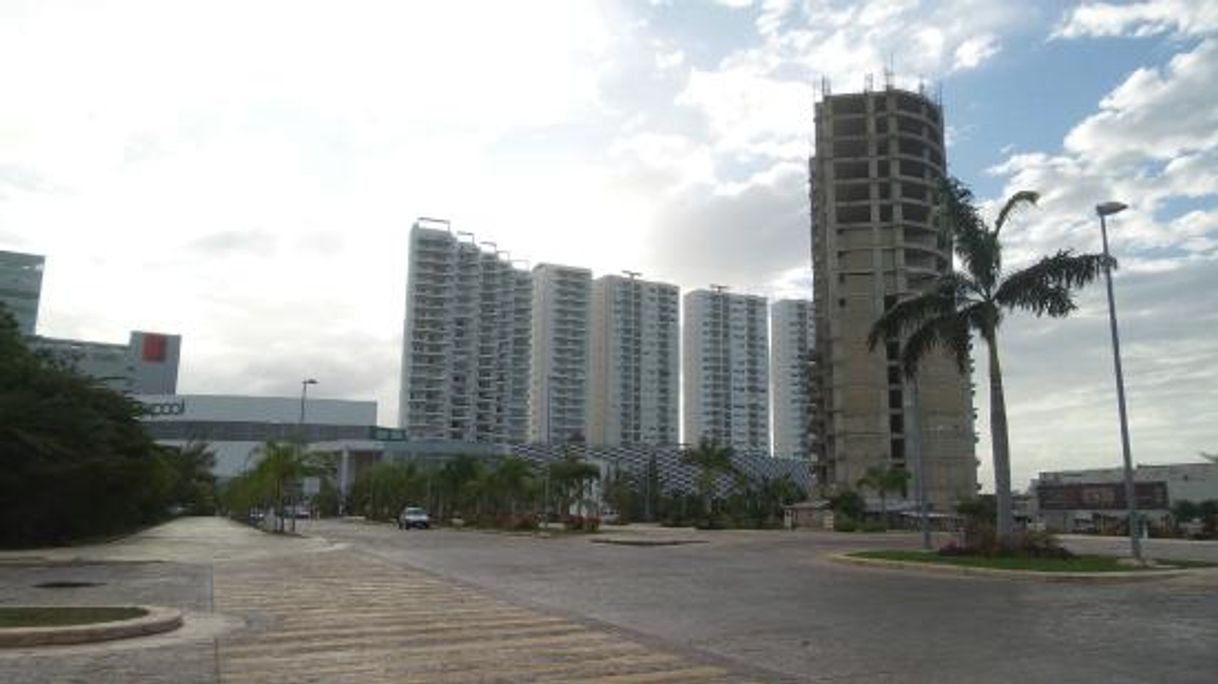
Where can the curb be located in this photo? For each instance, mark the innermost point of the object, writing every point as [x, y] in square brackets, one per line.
[1033, 575]
[158, 619]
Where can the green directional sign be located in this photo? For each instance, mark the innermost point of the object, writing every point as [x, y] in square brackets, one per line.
[383, 434]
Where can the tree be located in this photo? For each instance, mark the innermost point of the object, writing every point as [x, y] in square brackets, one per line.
[193, 481]
[512, 480]
[279, 473]
[711, 460]
[975, 299]
[77, 461]
[883, 480]
[570, 477]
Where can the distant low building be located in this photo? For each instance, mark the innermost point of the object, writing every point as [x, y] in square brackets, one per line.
[147, 364]
[1094, 500]
[236, 426]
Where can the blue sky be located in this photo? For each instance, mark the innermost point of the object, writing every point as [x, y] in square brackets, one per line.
[245, 173]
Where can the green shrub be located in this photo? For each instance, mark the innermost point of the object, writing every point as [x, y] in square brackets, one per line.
[873, 526]
[844, 524]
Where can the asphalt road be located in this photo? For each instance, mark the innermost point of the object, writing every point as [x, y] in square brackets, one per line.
[770, 602]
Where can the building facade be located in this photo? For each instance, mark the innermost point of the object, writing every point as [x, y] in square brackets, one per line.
[21, 288]
[879, 156]
[726, 369]
[465, 345]
[236, 427]
[147, 364]
[634, 374]
[1094, 500]
[561, 355]
[793, 340]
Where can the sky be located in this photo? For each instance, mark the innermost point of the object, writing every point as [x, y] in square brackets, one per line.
[245, 173]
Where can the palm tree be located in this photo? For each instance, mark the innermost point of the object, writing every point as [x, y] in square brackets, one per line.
[711, 460]
[883, 480]
[279, 471]
[512, 479]
[570, 476]
[975, 299]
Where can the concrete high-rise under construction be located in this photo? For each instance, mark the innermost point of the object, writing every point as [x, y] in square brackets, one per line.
[879, 156]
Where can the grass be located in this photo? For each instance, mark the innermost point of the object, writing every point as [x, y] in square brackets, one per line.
[1076, 564]
[46, 616]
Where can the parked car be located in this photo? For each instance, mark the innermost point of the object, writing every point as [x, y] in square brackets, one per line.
[413, 517]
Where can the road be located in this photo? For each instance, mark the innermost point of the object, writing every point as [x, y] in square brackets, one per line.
[770, 600]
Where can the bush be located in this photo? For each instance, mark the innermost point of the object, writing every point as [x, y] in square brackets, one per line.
[842, 523]
[873, 526]
[981, 540]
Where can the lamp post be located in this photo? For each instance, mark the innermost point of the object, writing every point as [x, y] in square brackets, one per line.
[300, 430]
[304, 392]
[919, 463]
[1103, 211]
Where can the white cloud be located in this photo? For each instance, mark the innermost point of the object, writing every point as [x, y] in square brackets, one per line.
[758, 100]
[972, 52]
[1140, 19]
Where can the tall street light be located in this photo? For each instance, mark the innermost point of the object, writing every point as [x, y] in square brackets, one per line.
[1103, 211]
[304, 391]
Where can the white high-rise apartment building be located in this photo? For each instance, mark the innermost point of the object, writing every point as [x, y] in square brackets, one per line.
[558, 390]
[465, 348]
[727, 375]
[793, 331]
[634, 362]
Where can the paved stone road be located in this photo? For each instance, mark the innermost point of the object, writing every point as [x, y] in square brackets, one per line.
[265, 609]
[768, 599]
[346, 617]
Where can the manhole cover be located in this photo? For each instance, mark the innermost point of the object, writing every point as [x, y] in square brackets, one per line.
[67, 584]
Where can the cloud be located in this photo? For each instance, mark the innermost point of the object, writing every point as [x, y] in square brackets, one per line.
[972, 52]
[1152, 142]
[1139, 19]
[757, 100]
[731, 239]
[253, 242]
[1059, 383]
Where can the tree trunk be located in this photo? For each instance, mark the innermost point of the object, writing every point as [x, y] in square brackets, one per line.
[1000, 443]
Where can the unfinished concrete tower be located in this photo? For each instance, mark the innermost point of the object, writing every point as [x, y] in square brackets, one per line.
[879, 156]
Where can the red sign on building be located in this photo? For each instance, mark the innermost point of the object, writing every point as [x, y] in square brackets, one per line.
[155, 348]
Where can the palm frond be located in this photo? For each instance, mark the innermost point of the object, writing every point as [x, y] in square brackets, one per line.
[949, 333]
[1046, 287]
[950, 291]
[974, 244]
[1019, 200]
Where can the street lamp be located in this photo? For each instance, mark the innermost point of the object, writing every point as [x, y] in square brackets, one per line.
[1103, 211]
[304, 391]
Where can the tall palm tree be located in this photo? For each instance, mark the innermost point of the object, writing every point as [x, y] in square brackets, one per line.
[975, 299]
[883, 480]
[711, 460]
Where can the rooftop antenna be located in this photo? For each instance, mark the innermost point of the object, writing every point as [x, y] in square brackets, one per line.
[632, 274]
[868, 83]
[889, 70]
[720, 289]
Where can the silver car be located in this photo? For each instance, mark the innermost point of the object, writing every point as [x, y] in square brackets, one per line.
[413, 517]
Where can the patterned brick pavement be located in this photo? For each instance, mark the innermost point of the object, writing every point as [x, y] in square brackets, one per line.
[342, 616]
